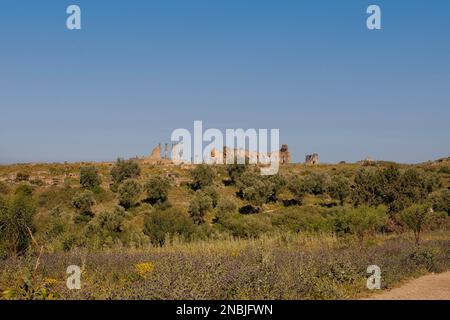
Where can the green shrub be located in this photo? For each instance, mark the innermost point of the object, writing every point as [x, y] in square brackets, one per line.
[56, 196]
[245, 226]
[235, 171]
[212, 192]
[125, 169]
[298, 220]
[360, 221]
[226, 206]
[367, 188]
[161, 224]
[4, 188]
[129, 192]
[427, 258]
[339, 188]
[89, 178]
[416, 218]
[255, 188]
[393, 188]
[202, 176]
[277, 184]
[16, 223]
[200, 204]
[316, 183]
[24, 190]
[157, 189]
[71, 240]
[83, 203]
[441, 201]
[106, 227]
[444, 170]
[297, 187]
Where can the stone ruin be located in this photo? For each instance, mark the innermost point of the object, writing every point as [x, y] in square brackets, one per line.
[156, 157]
[218, 157]
[312, 159]
[285, 155]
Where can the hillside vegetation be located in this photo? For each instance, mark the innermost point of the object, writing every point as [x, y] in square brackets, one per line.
[219, 232]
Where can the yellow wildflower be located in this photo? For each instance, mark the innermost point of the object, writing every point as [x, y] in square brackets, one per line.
[235, 253]
[144, 268]
[51, 281]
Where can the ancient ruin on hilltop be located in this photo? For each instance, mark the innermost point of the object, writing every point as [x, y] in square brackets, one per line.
[157, 156]
[312, 159]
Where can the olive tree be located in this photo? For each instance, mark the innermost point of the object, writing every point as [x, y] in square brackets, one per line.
[339, 188]
[157, 189]
[200, 204]
[415, 218]
[125, 169]
[83, 203]
[202, 176]
[129, 192]
[361, 221]
[89, 177]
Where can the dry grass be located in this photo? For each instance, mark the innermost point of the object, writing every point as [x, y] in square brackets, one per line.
[276, 267]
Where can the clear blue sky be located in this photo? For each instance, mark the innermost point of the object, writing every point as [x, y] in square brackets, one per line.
[139, 69]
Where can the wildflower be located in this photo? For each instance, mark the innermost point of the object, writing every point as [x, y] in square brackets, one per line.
[51, 282]
[144, 268]
[235, 253]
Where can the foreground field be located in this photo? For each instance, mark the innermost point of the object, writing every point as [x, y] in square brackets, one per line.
[140, 231]
[276, 267]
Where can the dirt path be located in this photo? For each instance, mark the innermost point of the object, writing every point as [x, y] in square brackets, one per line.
[430, 287]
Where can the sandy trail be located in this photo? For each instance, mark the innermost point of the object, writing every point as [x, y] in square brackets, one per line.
[430, 287]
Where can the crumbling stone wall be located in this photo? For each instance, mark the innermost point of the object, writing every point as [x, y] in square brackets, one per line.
[312, 159]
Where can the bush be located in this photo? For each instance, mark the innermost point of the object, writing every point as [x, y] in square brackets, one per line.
[213, 194]
[298, 220]
[439, 221]
[107, 226]
[235, 171]
[226, 206]
[202, 176]
[316, 183]
[37, 182]
[83, 203]
[157, 189]
[392, 188]
[22, 176]
[200, 204]
[161, 224]
[129, 192]
[24, 190]
[4, 188]
[360, 221]
[125, 169]
[339, 188]
[416, 218]
[367, 188]
[444, 170]
[55, 196]
[277, 183]
[426, 257]
[441, 201]
[297, 187]
[245, 226]
[89, 178]
[111, 220]
[255, 189]
[16, 223]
